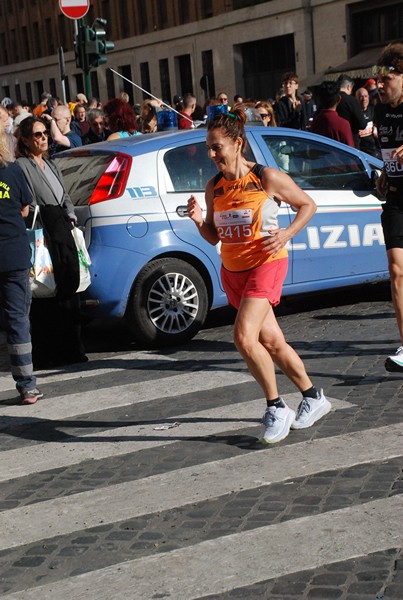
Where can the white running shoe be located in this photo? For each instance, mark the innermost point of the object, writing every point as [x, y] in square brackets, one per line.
[310, 410]
[277, 422]
[394, 363]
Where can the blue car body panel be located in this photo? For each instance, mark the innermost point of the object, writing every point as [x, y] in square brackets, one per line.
[342, 244]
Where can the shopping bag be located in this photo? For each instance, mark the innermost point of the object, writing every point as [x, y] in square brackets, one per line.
[41, 276]
[83, 259]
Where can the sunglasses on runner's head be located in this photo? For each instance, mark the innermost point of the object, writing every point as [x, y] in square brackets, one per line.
[39, 134]
[384, 70]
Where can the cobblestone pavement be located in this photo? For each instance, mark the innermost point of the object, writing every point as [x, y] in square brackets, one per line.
[140, 474]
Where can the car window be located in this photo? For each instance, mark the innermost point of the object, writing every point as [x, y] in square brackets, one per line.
[314, 165]
[190, 167]
[81, 174]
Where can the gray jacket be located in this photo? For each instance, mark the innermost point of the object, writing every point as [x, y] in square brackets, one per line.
[42, 192]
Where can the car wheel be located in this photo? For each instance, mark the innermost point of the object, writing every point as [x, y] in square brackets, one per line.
[168, 303]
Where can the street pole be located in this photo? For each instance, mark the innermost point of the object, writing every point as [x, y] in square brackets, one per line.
[62, 68]
[86, 69]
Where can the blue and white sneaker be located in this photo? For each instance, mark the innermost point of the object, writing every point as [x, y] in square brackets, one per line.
[277, 422]
[394, 364]
[311, 410]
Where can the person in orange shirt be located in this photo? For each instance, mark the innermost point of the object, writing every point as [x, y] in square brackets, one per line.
[42, 106]
[242, 205]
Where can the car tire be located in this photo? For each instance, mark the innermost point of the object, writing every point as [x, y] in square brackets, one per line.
[168, 303]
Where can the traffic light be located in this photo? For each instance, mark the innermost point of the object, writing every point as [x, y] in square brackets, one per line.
[96, 46]
[79, 48]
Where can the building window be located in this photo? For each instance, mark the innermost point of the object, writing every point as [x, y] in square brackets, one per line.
[376, 26]
[6, 91]
[245, 3]
[145, 78]
[125, 20]
[80, 89]
[94, 84]
[61, 19]
[207, 8]
[39, 89]
[183, 11]
[110, 84]
[36, 40]
[28, 94]
[106, 12]
[25, 43]
[17, 92]
[52, 87]
[184, 69]
[142, 16]
[207, 82]
[14, 46]
[126, 71]
[164, 80]
[50, 47]
[4, 56]
[162, 15]
[263, 64]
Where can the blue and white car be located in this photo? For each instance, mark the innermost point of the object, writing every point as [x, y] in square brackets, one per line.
[150, 264]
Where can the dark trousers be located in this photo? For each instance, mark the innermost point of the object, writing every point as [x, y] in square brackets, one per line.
[56, 331]
[15, 301]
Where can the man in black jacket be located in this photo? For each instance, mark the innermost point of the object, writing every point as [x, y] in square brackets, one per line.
[290, 109]
[349, 108]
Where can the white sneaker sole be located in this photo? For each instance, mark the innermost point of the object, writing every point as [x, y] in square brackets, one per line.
[320, 412]
[284, 432]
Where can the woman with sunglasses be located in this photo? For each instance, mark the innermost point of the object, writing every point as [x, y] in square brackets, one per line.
[266, 112]
[55, 322]
[242, 205]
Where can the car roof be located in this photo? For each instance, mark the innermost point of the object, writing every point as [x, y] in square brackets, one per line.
[151, 142]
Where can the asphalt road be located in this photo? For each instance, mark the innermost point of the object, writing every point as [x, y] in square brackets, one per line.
[140, 474]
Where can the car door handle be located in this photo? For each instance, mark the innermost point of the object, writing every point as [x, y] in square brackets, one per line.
[182, 211]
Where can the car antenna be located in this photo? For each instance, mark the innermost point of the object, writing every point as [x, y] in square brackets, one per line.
[182, 116]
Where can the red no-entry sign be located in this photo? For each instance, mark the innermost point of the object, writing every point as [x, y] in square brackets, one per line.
[74, 9]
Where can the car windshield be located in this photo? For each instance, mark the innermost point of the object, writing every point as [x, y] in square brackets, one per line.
[82, 173]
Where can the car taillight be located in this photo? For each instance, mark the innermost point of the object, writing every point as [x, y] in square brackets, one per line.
[113, 181]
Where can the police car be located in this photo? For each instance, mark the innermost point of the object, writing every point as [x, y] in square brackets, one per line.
[150, 264]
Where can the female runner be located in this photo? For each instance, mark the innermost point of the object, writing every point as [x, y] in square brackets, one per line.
[242, 205]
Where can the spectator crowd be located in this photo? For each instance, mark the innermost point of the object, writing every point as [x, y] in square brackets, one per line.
[341, 110]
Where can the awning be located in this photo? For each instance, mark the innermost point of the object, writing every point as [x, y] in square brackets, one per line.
[358, 66]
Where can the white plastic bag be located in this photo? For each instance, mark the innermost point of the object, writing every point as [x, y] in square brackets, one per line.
[83, 259]
[41, 275]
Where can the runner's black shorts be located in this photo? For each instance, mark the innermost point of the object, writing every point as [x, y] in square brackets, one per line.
[392, 225]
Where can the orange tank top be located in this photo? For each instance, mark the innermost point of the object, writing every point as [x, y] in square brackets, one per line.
[243, 215]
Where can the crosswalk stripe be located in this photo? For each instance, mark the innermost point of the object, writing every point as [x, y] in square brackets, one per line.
[62, 516]
[121, 395]
[243, 558]
[140, 360]
[125, 440]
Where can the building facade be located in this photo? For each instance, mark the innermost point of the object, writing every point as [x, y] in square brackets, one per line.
[170, 47]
